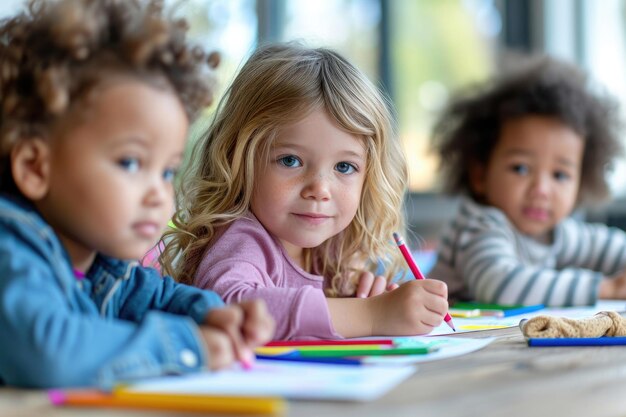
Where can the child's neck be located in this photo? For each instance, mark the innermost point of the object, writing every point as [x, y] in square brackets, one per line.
[80, 257]
[295, 253]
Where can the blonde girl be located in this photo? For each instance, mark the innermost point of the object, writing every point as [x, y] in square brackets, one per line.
[294, 192]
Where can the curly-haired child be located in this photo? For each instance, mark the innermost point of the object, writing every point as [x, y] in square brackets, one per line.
[525, 150]
[297, 189]
[96, 98]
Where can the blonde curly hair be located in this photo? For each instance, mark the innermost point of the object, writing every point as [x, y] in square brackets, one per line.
[279, 85]
[57, 52]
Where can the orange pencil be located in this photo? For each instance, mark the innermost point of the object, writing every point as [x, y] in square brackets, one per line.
[413, 266]
[171, 402]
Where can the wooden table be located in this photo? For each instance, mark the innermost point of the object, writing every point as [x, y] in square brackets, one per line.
[505, 379]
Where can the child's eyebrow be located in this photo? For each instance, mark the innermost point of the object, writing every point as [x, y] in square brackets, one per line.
[130, 140]
[566, 161]
[298, 147]
[562, 160]
[518, 151]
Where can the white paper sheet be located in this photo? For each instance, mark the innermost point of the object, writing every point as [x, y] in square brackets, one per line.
[288, 380]
[448, 348]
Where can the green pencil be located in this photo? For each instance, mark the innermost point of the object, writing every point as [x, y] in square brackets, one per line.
[339, 353]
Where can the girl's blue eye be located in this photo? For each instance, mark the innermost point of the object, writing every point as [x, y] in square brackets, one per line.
[345, 168]
[520, 169]
[169, 174]
[129, 164]
[290, 161]
[561, 176]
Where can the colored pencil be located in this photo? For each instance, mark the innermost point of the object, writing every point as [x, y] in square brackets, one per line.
[341, 353]
[578, 341]
[298, 343]
[499, 310]
[170, 402]
[298, 358]
[350, 347]
[416, 271]
[278, 350]
[458, 312]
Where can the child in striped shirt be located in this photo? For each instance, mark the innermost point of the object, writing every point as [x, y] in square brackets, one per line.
[526, 151]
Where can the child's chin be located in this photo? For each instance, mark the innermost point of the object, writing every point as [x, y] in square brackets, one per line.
[537, 234]
[134, 254]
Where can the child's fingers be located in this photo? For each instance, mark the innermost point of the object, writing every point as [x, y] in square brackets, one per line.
[258, 326]
[436, 305]
[379, 286]
[436, 287]
[434, 311]
[219, 347]
[366, 280]
[392, 286]
[432, 320]
[230, 320]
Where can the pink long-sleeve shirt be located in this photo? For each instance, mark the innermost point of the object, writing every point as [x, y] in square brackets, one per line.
[246, 263]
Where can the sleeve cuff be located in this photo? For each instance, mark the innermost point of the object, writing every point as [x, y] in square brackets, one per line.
[172, 344]
[313, 318]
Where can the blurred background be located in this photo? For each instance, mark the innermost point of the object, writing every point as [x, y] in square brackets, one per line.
[420, 52]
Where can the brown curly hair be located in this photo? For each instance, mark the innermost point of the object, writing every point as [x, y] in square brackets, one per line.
[56, 52]
[469, 128]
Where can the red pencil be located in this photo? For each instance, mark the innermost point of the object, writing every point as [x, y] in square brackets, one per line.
[413, 266]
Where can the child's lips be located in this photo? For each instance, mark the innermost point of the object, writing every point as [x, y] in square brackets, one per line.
[147, 229]
[312, 218]
[538, 214]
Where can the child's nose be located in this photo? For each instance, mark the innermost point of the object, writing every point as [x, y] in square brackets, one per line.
[317, 188]
[156, 192]
[541, 184]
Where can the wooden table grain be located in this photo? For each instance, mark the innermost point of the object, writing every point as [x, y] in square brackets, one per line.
[505, 379]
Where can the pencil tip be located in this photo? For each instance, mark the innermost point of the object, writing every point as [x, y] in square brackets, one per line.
[397, 238]
[56, 397]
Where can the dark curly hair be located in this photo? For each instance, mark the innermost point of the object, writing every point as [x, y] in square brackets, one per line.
[56, 52]
[468, 129]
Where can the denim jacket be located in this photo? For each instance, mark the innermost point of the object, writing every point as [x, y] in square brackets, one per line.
[120, 322]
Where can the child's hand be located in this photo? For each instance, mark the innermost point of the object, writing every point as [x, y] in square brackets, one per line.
[219, 347]
[370, 286]
[415, 307]
[244, 326]
[613, 288]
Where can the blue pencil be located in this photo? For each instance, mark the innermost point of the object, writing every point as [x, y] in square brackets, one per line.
[498, 310]
[522, 310]
[577, 341]
[294, 358]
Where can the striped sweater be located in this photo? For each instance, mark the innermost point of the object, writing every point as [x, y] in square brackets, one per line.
[484, 258]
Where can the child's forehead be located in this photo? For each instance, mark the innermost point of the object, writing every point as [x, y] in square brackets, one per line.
[539, 135]
[90, 95]
[125, 105]
[533, 125]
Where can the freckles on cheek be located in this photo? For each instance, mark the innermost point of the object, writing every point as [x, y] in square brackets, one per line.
[274, 198]
[349, 201]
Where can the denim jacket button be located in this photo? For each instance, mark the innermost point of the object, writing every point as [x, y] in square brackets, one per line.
[188, 358]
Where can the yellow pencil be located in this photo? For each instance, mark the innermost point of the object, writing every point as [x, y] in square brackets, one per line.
[282, 350]
[459, 312]
[172, 402]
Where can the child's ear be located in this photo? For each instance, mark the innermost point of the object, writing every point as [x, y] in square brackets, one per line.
[30, 166]
[477, 173]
